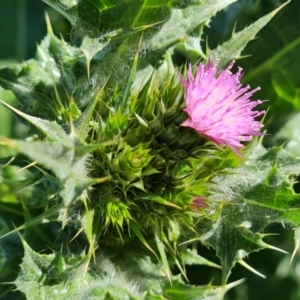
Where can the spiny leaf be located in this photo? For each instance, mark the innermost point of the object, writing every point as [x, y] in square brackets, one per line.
[114, 59]
[66, 8]
[232, 48]
[87, 224]
[52, 155]
[179, 23]
[189, 257]
[256, 194]
[124, 98]
[82, 123]
[51, 214]
[61, 158]
[161, 248]
[35, 82]
[180, 290]
[135, 228]
[90, 47]
[53, 274]
[159, 200]
[52, 130]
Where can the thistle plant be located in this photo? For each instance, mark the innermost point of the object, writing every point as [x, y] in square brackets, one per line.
[132, 161]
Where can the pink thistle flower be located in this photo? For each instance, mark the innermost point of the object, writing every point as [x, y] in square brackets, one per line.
[219, 108]
[199, 203]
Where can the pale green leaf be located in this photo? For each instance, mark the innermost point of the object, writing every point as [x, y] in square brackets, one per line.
[51, 129]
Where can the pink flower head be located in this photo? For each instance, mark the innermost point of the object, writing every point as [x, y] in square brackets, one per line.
[199, 203]
[219, 108]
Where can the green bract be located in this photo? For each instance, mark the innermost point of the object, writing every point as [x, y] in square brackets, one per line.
[113, 190]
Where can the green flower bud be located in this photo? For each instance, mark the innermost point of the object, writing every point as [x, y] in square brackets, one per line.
[131, 161]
